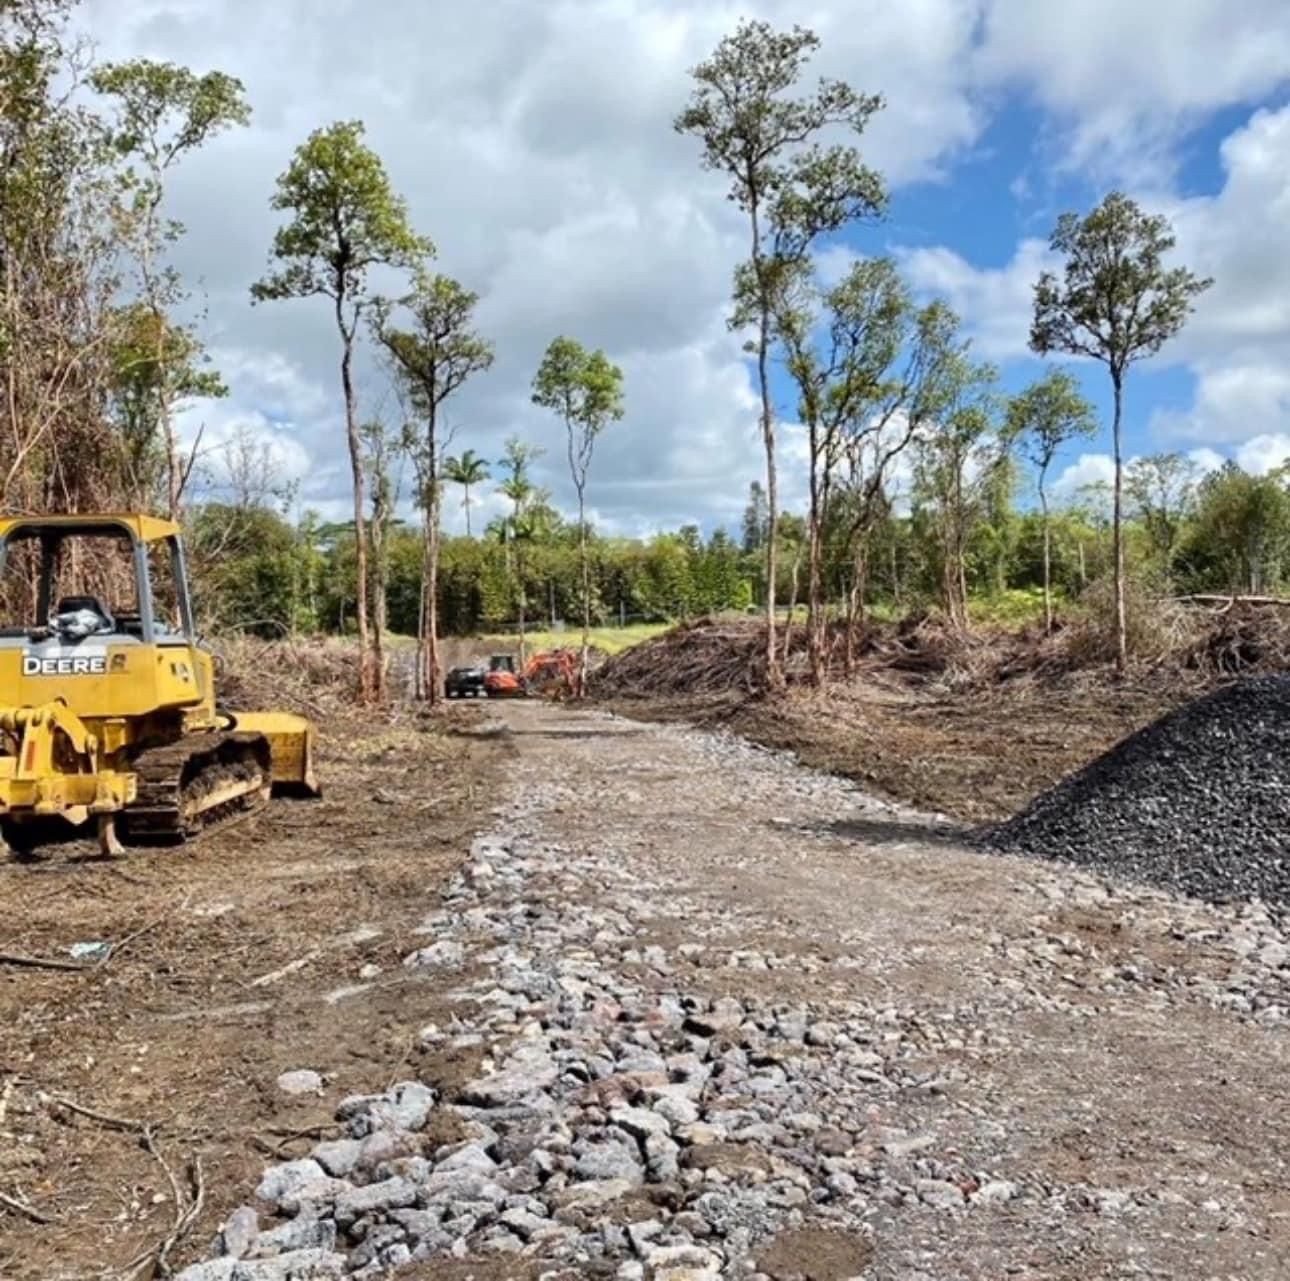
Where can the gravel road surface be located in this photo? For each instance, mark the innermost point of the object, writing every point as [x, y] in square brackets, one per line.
[726, 1016]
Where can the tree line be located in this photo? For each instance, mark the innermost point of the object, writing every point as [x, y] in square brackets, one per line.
[913, 449]
[1185, 532]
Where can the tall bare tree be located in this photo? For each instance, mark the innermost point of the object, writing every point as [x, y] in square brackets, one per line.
[1115, 302]
[432, 359]
[765, 141]
[345, 219]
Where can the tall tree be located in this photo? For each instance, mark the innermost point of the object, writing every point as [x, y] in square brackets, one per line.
[516, 530]
[163, 112]
[765, 141]
[1046, 417]
[432, 360]
[960, 453]
[1115, 302]
[469, 471]
[908, 401]
[755, 521]
[586, 390]
[840, 343]
[345, 220]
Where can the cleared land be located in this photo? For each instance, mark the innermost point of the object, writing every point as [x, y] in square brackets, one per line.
[675, 1006]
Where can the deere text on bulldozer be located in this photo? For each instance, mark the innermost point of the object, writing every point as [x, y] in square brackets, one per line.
[108, 706]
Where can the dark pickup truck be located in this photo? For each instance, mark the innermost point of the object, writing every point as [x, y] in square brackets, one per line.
[464, 682]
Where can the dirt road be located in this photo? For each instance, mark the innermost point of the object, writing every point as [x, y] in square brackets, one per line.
[1019, 1070]
[692, 1010]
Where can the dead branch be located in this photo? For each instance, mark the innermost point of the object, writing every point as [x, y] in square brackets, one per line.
[290, 968]
[27, 1211]
[103, 1118]
[40, 962]
[1227, 602]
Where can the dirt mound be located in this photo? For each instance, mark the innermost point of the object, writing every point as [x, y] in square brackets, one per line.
[1199, 801]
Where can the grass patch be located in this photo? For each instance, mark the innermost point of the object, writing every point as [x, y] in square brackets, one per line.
[612, 640]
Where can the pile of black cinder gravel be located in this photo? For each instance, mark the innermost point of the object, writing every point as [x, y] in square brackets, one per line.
[1197, 802]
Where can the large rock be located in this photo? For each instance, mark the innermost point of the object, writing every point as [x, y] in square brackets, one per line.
[279, 1182]
[406, 1107]
[525, 1075]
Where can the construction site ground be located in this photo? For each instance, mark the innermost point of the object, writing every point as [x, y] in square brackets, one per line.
[1108, 1062]
[976, 754]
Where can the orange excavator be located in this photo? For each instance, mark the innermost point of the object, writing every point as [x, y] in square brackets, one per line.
[550, 674]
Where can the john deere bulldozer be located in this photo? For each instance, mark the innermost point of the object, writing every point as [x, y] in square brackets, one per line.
[108, 707]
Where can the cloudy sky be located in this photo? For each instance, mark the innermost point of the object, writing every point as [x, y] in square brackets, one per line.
[533, 142]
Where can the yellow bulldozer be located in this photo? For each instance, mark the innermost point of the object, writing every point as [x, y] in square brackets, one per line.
[108, 708]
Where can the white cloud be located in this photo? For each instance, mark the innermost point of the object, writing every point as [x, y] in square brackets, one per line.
[995, 303]
[1125, 79]
[1264, 453]
[1088, 469]
[1206, 459]
[534, 143]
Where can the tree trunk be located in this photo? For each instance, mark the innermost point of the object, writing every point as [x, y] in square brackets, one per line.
[466, 504]
[585, 558]
[368, 680]
[1121, 613]
[430, 586]
[521, 602]
[420, 690]
[815, 624]
[1048, 559]
[792, 609]
[855, 602]
[380, 584]
[774, 676]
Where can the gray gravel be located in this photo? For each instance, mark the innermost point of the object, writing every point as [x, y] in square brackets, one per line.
[1198, 802]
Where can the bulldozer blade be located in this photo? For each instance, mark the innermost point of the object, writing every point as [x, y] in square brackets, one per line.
[291, 741]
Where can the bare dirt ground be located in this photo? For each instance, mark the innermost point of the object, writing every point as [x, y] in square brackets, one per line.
[852, 1048]
[976, 755]
[234, 960]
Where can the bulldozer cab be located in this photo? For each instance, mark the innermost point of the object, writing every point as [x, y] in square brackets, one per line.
[96, 612]
[502, 663]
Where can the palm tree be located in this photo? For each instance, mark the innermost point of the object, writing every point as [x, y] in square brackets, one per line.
[467, 470]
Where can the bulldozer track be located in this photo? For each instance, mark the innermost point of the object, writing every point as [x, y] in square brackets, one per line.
[198, 783]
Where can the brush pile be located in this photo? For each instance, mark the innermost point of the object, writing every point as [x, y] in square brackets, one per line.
[1197, 802]
[710, 656]
[312, 676]
[720, 656]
